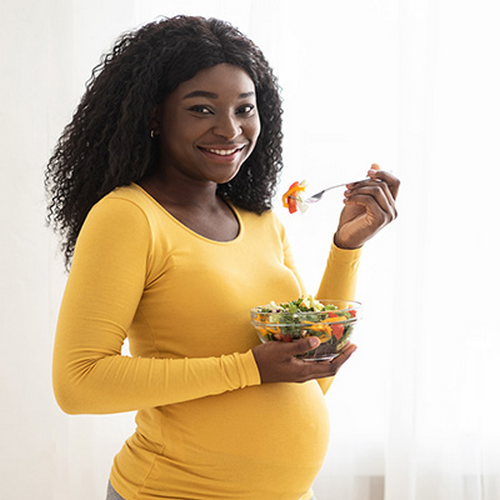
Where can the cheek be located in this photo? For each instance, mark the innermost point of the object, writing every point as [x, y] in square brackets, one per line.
[255, 129]
[181, 139]
[252, 134]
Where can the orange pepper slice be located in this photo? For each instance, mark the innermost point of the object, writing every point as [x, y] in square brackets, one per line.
[288, 198]
[322, 331]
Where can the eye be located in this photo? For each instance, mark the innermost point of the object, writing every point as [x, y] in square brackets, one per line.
[246, 109]
[201, 109]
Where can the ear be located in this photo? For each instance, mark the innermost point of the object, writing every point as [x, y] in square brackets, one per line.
[155, 121]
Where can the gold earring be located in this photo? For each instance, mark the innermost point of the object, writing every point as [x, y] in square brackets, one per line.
[153, 134]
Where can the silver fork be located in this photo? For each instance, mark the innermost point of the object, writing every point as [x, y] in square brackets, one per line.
[316, 197]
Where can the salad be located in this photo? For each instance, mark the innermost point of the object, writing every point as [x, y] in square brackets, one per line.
[292, 198]
[305, 317]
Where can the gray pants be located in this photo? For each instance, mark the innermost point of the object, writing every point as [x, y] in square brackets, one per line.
[113, 495]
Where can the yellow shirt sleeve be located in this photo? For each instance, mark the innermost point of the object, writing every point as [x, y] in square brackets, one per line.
[339, 282]
[103, 291]
[339, 278]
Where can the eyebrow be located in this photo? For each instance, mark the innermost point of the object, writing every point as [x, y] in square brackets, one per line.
[213, 95]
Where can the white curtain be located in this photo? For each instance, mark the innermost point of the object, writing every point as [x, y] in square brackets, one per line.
[410, 84]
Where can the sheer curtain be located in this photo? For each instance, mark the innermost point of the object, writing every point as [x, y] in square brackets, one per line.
[412, 85]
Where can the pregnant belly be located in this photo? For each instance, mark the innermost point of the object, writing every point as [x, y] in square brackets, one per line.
[273, 437]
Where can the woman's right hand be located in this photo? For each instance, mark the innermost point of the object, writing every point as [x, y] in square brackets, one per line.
[277, 362]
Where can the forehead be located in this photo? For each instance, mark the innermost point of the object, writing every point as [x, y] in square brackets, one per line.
[222, 79]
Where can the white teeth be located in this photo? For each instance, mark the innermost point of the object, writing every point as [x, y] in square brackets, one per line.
[223, 152]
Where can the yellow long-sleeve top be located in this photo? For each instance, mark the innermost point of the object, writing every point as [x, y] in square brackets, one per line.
[206, 427]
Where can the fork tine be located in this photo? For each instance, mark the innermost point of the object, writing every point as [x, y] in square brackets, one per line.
[315, 198]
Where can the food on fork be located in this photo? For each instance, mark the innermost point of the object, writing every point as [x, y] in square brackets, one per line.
[292, 199]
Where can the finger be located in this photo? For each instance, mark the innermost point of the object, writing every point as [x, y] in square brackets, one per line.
[379, 191]
[375, 199]
[302, 346]
[330, 368]
[392, 181]
[374, 214]
[373, 184]
[376, 173]
[344, 355]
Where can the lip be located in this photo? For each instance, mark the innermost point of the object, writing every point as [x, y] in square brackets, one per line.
[223, 153]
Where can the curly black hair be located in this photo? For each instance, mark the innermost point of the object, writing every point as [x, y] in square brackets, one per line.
[108, 144]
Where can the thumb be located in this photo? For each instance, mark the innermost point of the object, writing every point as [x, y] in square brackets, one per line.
[304, 345]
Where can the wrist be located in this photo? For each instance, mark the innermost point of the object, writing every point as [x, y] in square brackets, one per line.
[344, 245]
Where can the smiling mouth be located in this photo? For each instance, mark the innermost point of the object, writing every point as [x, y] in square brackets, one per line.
[223, 152]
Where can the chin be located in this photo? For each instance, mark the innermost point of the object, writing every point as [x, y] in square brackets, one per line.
[226, 176]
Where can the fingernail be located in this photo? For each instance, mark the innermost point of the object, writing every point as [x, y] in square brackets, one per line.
[371, 172]
[314, 342]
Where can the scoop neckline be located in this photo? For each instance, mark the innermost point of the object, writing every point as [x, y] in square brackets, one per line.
[191, 231]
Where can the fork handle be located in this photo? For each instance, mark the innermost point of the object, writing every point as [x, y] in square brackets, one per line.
[336, 186]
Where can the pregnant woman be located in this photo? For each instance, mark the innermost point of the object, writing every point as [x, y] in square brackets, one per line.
[161, 189]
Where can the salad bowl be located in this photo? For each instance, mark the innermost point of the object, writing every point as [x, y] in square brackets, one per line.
[332, 321]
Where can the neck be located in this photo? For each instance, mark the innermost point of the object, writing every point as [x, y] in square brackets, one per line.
[196, 205]
[181, 192]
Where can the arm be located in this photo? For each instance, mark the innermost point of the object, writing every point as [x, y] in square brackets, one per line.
[369, 206]
[110, 271]
[339, 278]
[338, 282]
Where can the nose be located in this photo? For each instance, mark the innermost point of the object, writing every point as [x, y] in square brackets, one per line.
[227, 126]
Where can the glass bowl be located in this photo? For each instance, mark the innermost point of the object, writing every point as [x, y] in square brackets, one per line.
[333, 325]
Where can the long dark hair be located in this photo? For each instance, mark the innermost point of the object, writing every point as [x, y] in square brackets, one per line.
[107, 144]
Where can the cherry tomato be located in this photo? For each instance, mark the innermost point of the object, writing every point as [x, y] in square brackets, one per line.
[338, 330]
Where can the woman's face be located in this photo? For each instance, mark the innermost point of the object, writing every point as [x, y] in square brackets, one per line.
[209, 125]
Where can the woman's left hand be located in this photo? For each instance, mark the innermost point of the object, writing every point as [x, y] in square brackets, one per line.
[369, 206]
